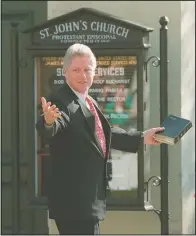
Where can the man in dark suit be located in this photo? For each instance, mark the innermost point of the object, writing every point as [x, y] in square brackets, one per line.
[80, 139]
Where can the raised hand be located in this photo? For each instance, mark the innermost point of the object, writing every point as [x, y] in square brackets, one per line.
[51, 113]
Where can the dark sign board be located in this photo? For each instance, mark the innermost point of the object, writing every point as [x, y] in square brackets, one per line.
[93, 28]
[86, 32]
[115, 89]
[115, 85]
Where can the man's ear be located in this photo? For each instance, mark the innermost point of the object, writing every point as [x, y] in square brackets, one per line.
[94, 71]
[65, 72]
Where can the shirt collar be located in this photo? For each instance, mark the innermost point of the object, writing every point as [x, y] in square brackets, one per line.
[81, 96]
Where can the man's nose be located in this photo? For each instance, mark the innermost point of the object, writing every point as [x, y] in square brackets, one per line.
[83, 74]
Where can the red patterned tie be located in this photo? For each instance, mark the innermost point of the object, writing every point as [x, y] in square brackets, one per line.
[98, 126]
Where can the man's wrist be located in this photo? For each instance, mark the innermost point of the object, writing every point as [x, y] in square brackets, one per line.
[48, 124]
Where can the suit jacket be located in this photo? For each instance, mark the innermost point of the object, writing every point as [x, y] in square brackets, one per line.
[77, 185]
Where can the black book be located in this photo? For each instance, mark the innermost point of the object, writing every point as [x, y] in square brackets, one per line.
[175, 128]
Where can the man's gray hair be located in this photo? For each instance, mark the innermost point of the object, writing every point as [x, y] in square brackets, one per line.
[78, 50]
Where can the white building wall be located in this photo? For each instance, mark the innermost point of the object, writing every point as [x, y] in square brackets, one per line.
[188, 111]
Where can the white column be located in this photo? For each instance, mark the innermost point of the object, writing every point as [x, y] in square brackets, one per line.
[188, 111]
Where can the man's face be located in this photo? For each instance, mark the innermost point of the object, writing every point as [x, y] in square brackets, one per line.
[80, 73]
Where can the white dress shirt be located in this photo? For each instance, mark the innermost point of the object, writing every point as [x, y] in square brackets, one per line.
[81, 96]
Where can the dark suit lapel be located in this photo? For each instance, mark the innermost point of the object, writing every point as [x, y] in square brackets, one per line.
[90, 119]
[106, 128]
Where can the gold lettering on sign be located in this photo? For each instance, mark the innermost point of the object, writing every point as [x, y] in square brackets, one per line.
[53, 61]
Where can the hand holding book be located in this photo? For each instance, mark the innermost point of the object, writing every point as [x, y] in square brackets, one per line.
[149, 136]
[175, 129]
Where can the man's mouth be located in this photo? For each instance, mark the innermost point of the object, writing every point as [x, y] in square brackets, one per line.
[82, 82]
